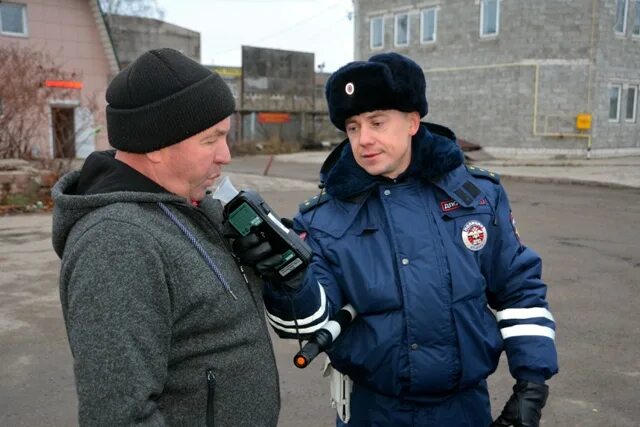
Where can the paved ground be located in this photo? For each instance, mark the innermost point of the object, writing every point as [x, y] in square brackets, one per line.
[611, 172]
[588, 236]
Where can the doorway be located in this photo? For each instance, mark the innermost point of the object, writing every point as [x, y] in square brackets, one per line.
[64, 133]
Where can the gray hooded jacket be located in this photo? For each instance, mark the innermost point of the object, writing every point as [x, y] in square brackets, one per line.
[155, 336]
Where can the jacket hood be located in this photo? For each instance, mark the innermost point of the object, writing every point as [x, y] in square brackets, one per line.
[434, 152]
[102, 181]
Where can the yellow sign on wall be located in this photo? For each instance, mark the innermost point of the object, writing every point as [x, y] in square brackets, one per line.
[228, 71]
[583, 121]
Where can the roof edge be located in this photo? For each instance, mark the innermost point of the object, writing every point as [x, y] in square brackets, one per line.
[105, 37]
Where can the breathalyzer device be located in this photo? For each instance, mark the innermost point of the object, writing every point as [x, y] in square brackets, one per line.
[248, 212]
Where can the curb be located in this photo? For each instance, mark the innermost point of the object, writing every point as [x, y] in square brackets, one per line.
[567, 181]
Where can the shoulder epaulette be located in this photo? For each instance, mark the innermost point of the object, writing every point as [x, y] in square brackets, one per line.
[483, 173]
[314, 202]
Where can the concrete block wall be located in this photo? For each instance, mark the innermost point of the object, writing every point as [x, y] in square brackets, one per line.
[486, 88]
[133, 35]
[617, 62]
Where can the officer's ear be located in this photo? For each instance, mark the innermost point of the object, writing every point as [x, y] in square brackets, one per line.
[414, 122]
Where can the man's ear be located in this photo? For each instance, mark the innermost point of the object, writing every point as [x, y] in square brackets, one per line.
[414, 122]
[155, 156]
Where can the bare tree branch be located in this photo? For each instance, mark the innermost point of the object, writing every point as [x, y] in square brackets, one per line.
[144, 8]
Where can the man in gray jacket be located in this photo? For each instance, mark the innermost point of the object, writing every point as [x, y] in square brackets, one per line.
[164, 327]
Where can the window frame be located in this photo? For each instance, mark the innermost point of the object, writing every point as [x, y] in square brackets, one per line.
[374, 19]
[482, 19]
[617, 118]
[25, 28]
[435, 25]
[395, 29]
[635, 104]
[624, 19]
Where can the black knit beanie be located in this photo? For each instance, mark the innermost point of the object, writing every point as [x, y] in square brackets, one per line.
[162, 98]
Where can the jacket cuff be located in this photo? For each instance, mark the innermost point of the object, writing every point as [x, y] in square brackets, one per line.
[531, 376]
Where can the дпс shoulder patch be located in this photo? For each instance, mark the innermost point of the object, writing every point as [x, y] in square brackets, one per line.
[314, 201]
[483, 173]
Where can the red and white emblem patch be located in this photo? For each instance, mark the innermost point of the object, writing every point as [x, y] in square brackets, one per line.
[474, 235]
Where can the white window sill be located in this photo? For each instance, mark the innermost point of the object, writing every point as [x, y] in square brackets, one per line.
[20, 35]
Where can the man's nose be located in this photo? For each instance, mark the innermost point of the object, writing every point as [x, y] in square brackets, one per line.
[366, 136]
[223, 155]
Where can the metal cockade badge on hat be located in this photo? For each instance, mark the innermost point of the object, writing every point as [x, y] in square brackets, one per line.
[349, 88]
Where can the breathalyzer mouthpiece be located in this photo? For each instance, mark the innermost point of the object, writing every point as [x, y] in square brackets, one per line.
[225, 191]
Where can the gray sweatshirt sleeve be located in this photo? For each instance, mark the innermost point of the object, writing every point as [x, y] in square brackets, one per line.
[117, 311]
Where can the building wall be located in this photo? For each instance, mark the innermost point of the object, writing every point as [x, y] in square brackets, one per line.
[68, 32]
[617, 62]
[519, 91]
[132, 36]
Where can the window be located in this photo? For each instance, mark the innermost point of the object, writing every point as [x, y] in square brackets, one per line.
[377, 32]
[489, 17]
[622, 7]
[635, 31]
[13, 19]
[632, 102]
[429, 25]
[402, 29]
[614, 103]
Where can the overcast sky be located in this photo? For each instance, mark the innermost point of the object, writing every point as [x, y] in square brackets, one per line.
[323, 27]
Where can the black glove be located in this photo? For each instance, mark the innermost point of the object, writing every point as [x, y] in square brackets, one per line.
[524, 407]
[254, 251]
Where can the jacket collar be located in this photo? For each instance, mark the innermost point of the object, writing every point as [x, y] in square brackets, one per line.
[434, 153]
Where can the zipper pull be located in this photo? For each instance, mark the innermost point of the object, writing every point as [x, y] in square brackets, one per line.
[244, 276]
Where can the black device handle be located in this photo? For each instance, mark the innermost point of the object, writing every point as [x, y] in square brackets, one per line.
[324, 337]
[318, 343]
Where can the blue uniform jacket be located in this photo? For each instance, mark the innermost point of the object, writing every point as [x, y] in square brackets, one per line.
[425, 260]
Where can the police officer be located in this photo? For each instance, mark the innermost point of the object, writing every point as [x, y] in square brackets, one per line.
[424, 248]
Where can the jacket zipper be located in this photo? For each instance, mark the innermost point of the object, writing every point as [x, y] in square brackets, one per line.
[211, 388]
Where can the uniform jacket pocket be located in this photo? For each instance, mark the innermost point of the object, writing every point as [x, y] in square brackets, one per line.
[479, 339]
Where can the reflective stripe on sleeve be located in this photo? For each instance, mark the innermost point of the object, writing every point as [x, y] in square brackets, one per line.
[322, 311]
[527, 330]
[293, 330]
[524, 313]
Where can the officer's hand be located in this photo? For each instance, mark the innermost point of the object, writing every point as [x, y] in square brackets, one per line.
[524, 407]
[254, 251]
